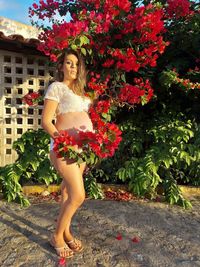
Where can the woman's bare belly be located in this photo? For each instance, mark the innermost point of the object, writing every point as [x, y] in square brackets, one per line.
[74, 122]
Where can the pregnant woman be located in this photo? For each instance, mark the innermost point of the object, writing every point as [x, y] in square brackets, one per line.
[65, 101]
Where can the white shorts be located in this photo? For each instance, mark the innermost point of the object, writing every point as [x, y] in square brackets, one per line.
[51, 144]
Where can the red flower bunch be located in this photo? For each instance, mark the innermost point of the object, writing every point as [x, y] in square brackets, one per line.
[187, 84]
[62, 143]
[113, 7]
[103, 143]
[96, 85]
[147, 21]
[183, 83]
[32, 99]
[134, 94]
[44, 10]
[58, 38]
[100, 22]
[178, 8]
[108, 63]
[97, 113]
[127, 60]
[103, 106]
[108, 137]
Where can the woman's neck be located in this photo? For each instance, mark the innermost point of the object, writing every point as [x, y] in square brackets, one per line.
[69, 83]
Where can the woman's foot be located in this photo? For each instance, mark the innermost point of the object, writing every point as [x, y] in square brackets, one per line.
[75, 245]
[61, 248]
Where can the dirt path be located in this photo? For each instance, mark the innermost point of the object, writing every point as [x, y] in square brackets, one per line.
[169, 236]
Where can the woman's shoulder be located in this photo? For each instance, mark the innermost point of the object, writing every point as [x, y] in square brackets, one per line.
[56, 84]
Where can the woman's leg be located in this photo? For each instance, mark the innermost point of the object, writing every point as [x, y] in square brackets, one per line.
[76, 246]
[63, 187]
[64, 197]
[73, 180]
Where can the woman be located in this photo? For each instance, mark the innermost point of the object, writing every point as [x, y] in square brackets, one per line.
[65, 99]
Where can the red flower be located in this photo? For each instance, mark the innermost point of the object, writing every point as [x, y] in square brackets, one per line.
[53, 58]
[35, 5]
[62, 261]
[62, 143]
[135, 239]
[108, 63]
[134, 94]
[98, 87]
[102, 106]
[32, 98]
[178, 8]
[119, 237]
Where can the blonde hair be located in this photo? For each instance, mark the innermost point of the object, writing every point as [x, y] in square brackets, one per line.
[80, 82]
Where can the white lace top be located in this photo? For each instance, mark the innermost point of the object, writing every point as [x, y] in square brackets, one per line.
[67, 100]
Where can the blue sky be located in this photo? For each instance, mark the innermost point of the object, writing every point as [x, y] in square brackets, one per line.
[16, 9]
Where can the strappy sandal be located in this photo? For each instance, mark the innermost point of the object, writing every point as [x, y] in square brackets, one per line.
[60, 249]
[75, 245]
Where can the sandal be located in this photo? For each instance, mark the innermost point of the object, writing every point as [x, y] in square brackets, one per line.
[60, 249]
[75, 245]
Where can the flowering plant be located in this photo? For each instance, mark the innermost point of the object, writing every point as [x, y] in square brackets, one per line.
[118, 39]
[172, 77]
[32, 99]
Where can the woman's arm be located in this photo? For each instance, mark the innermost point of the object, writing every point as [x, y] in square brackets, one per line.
[47, 117]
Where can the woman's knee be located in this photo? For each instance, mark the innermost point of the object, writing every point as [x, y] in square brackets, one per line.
[63, 187]
[77, 199]
[64, 193]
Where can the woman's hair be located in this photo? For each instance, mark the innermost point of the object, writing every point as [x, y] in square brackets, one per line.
[80, 82]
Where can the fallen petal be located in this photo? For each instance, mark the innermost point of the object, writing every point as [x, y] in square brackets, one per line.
[136, 239]
[119, 237]
[62, 261]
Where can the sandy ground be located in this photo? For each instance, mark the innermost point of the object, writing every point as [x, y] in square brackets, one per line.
[168, 235]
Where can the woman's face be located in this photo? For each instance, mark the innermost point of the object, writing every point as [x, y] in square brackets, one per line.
[70, 67]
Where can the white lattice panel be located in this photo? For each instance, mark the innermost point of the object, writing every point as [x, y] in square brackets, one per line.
[19, 74]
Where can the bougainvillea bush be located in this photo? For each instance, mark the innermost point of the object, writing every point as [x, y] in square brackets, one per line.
[116, 38]
[161, 140]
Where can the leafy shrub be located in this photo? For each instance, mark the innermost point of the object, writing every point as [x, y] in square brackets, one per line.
[162, 151]
[32, 166]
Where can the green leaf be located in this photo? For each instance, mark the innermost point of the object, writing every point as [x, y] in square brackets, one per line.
[84, 40]
[83, 51]
[123, 77]
[74, 47]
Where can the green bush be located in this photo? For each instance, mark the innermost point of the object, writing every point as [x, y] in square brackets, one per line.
[162, 150]
[32, 166]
